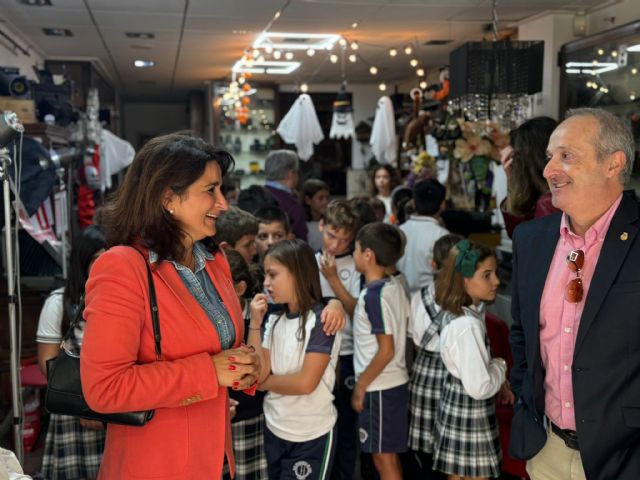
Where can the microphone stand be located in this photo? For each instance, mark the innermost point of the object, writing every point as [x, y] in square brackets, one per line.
[5, 162]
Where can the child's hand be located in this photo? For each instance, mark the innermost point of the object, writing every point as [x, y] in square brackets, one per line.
[505, 396]
[258, 308]
[357, 399]
[328, 265]
[333, 317]
[232, 407]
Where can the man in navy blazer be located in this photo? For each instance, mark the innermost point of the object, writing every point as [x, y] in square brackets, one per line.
[576, 311]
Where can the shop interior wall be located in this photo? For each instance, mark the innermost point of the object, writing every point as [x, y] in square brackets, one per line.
[14, 58]
[143, 121]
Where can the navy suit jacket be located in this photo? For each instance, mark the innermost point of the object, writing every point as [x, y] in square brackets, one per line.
[606, 362]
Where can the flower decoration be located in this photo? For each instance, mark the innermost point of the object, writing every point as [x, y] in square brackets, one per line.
[472, 146]
[424, 166]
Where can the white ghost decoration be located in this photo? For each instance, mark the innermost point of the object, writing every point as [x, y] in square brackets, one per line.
[383, 132]
[342, 120]
[300, 126]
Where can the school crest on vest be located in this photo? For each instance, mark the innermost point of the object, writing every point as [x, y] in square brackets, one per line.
[302, 469]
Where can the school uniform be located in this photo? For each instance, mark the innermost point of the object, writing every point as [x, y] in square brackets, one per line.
[300, 437]
[383, 309]
[347, 438]
[466, 439]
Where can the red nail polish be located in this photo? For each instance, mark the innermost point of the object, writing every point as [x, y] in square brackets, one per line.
[236, 384]
[232, 367]
[232, 359]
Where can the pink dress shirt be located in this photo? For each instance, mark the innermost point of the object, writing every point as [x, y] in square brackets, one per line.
[559, 319]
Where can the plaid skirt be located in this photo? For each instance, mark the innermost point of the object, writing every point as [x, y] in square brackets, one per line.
[467, 442]
[425, 390]
[71, 452]
[248, 448]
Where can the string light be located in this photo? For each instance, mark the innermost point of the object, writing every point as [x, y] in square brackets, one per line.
[600, 51]
[373, 70]
[408, 50]
[288, 55]
[382, 87]
[352, 58]
[354, 25]
[420, 72]
[342, 42]
[354, 45]
[634, 71]
[304, 88]
[255, 53]
[413, 62]
[614, 53]
[241, 80]
[268, 49]
[393, 52]
[423, 84]
[277, 54]
[311, 52]
[334, 58]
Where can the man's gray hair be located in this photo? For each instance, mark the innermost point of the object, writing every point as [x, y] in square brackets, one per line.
[279, 163]
[613, 135]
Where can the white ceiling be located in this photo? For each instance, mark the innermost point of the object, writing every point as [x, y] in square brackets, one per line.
[195, 40]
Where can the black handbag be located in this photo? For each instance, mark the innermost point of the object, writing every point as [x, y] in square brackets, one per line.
[64, 390]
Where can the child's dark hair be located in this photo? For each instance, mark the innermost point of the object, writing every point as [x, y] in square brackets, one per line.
[394, 179]
[401, 199]
[386, 241]
[298, 258]
[273, 214]
[363, 207]
[443, 246]
[234, 224]
[255, 197]
[241, 271]
[89, 242]
[428, 196]
[309, 188]
[450, 292]
[342, 215]
[378, 207]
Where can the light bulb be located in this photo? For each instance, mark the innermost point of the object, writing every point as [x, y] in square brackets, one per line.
[354, 25]
[352, 58]
[373, 70]
[277, 54]
[255, 53]
[393, 52]
[382, 87]
[614, 53]
[268, 49]
[634, 71]
[311, 52]
[241, 80]
[342, 42]
[354, 45]
[632, 97]
[420, 72]
[408, 49]
[600, 51]
[288, 55]
[413, 62]
[304, 88]
[334, 58]
[423, 84]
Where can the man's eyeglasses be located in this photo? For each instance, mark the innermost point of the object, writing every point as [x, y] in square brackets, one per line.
[574, 291]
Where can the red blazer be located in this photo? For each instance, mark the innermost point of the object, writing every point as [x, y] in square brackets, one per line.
[190, 431]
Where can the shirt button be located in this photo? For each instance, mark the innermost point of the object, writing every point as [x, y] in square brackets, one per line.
[567, 330]
[567, 404]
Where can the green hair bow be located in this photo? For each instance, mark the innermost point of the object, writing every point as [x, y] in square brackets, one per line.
[467, 259]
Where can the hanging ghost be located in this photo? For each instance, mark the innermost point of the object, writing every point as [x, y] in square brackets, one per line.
[383, 134]
[300, 126]
[342, 121]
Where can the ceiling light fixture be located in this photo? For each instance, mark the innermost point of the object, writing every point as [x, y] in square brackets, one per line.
[36, 3]
[270, 67]
[144, 63]
[296, 41]
[57, 32]
[140, 35]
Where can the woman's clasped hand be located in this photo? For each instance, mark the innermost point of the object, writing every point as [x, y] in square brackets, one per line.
[237, 368]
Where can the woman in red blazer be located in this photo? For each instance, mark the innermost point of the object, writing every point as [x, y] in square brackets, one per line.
[167, 208]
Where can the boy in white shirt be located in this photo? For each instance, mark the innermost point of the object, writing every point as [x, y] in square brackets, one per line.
[339, 278]
[379, 333]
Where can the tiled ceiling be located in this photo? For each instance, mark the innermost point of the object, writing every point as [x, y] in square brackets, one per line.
[195, 40]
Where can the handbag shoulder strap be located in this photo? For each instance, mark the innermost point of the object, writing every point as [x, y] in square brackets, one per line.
[155, 314]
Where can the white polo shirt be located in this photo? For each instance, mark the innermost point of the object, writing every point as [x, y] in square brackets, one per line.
[350, 278]
[299, 418]
[383, 308]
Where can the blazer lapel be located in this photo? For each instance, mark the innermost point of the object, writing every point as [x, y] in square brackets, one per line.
[614, 251]
[171, 278]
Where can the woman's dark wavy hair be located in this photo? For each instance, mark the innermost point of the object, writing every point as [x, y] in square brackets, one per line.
[393, 174]
[135, 213]
[309, 188]
[526, 183]
[85, 246]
